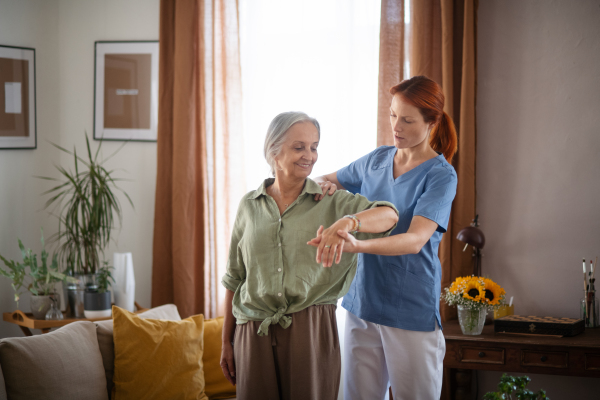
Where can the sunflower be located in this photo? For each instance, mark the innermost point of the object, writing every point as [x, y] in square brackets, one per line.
[493, 292]
[458, 285]
[474, 290]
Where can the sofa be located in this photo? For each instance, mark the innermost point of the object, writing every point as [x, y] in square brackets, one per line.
[77, 361]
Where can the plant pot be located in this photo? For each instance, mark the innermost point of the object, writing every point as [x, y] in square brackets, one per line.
[97, 305]
[471, 320]
[74, 293]
[40, 306]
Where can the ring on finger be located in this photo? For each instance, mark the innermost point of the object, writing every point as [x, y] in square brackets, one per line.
[327, 246]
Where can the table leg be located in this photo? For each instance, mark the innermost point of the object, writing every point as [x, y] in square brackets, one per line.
[26, 331]
[462, 384]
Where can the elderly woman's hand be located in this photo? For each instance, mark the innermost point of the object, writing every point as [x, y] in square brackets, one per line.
[329, 244]
[227, 362]
[327, 187]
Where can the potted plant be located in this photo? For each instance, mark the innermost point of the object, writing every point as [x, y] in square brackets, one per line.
[87, 211]
[474, 296]
[515, 385]
[97, 302]
[42, 278]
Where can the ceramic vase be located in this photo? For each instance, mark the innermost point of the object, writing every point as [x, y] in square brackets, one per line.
[124, 286]
[40, 306]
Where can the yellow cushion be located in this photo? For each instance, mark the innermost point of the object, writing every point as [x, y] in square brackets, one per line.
[217, 387]
[157, 359]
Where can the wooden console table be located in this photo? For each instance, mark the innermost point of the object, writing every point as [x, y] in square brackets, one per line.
[535, 354]
[26, 321]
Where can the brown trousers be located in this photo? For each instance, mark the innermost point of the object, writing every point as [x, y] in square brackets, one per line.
[301, 362]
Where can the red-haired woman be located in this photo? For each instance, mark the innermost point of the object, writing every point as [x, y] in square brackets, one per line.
[392, 331]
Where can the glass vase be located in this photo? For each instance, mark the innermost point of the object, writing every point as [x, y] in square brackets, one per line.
[590, 317]
[471, 320]
[54, 313]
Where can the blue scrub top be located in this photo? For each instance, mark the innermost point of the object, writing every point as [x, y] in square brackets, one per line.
[401, 291]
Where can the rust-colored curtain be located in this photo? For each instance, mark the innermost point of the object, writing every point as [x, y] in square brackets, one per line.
[199, 116]
[441, 43]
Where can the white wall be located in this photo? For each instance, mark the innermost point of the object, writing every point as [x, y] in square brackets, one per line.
[538, 158]
[63, 33]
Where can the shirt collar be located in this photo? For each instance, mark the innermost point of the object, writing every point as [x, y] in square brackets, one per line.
[310, 187]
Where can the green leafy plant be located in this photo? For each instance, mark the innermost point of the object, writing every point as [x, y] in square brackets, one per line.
[104, 278]
[514, 387]
[88, 209]
[41, 277]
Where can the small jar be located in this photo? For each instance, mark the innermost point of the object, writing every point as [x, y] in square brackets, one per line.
[590, 317]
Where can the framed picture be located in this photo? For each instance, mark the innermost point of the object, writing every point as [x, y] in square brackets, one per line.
[17, 98]
[126, 90]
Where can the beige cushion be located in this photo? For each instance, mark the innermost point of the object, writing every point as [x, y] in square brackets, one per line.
[3, 395]
[65, 364]
[107, 345]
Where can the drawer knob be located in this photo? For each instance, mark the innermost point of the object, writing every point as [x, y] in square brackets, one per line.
[544, 358]
[481, 354]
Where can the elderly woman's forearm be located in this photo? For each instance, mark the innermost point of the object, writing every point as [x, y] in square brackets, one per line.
[377, 220]
[229, 322]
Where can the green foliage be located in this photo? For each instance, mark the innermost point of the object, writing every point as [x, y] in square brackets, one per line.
[514, 387]
[87, 210]
[104, 277]
[42, 277]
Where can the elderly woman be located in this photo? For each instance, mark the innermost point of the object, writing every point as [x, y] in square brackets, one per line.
[285, 344]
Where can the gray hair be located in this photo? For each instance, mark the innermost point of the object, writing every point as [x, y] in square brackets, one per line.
[278, 130]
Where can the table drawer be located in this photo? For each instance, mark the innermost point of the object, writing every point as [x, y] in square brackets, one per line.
[592, 362]
[481, 355]
[558, 359]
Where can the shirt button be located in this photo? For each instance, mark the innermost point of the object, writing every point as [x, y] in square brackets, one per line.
[279, 219]
[278, 269]
[282, 309]
[279, 294]
[279, 245]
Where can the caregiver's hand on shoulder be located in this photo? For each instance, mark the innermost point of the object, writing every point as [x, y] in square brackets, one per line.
[327, 187]
[227, 363]
[329, 244]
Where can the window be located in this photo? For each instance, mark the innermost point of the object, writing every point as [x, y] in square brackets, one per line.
[316, 56]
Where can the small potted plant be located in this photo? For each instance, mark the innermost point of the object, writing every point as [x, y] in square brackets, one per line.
[88, 209]
[514, 387]
[474, 296]
[39, 279]
[97, 302]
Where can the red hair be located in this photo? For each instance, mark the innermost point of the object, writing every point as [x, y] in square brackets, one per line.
[427, 96]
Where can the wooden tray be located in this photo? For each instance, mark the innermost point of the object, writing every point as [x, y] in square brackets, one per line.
[27, 322]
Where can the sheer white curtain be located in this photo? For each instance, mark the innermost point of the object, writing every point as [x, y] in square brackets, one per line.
[316, 56]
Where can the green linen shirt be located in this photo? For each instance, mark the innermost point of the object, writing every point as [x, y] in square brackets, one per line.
[272, 270]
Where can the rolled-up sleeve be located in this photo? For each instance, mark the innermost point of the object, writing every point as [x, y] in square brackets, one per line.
[348, 203]
[236, 269]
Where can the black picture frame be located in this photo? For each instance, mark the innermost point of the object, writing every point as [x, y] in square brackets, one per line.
[18, 114]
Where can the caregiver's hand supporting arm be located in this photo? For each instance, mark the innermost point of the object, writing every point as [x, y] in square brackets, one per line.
[329, 183]
[227, 361]
[330, 244]
[411, 242]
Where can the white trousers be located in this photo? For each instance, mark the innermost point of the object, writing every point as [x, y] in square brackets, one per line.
[375, 355]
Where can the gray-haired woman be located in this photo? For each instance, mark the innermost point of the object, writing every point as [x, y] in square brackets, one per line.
[283, 302]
